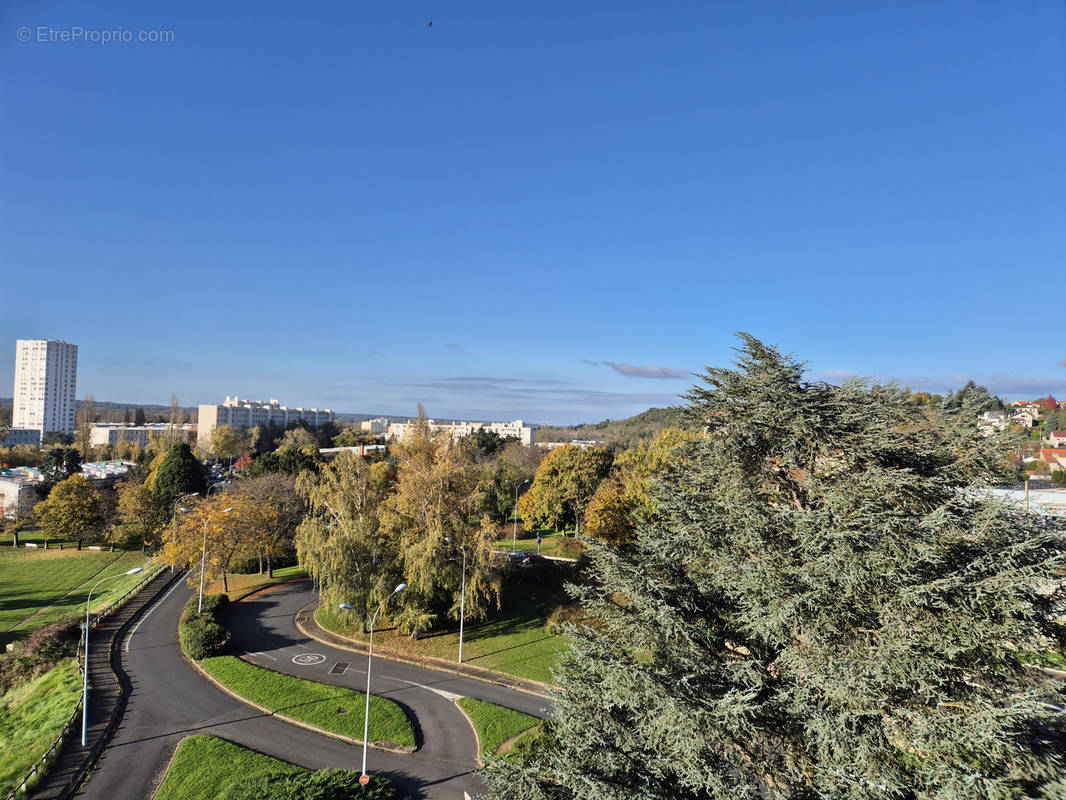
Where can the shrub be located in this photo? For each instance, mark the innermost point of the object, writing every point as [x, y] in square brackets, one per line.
[325, 784]
[1059, 477]
[202, 636]
[40, 652]
[561, 616]
[215, 605]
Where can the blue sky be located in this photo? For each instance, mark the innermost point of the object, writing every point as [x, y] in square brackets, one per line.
[554, 211]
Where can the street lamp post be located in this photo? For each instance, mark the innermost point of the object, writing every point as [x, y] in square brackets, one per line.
[514, 516]
[462, 599]
[369, 662]
[85, 670]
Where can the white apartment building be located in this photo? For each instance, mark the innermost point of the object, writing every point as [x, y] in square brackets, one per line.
[244, 414]
[379, 425]
[46, 374]
[457, 430]
[111, 433]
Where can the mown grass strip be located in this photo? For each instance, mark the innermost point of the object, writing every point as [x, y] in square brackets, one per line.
[31, 717]
[332, 708]
[512, 639]
[206, 768]
[57, 581]
[495, 724]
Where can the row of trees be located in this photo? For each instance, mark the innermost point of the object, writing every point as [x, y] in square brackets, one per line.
[412, 517]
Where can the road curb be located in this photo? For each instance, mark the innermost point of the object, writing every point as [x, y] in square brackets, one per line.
[401, 749]
[315, 631]
[473, 727]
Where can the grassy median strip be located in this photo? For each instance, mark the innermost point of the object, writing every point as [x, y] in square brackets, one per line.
[495, 724]
[31, 717]
[331, 708]
[206, 768]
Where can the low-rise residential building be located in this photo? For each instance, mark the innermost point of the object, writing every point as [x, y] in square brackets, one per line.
[1056, 438]
[457, 430]
[584, 444]
[18, 490]
[244, 414]
[375, 426]
[1026, 418]
[112, 433]
[330, 453]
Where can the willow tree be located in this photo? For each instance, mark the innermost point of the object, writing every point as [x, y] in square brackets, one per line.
[340, 541]
[828, 605]
[433, 515]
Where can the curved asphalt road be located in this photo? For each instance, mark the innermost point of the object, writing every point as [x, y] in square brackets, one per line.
[169, 700]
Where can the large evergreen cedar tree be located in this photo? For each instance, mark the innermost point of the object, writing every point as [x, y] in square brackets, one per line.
[828, 607]
[179, 473]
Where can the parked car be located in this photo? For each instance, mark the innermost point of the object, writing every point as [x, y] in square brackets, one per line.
[517, 558]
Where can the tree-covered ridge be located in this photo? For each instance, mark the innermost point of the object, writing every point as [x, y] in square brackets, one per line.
[821, 609]
[627, 432]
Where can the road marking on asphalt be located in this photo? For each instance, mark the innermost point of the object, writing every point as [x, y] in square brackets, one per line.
[140, 622]
[451, 697]
[259, 653]
[308, 659]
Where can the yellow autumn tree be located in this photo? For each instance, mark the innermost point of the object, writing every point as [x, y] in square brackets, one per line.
[222, 527]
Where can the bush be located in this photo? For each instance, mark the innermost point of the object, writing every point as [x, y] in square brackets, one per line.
[325, 784]
[1059, 477]
[40, 652]
[202, 636]
[215, 605]
[249, 565]
[561, 616]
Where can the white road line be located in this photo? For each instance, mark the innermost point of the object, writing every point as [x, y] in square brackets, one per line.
[155, 605]
[259, 653]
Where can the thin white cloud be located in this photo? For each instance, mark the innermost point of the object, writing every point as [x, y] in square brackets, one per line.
[648, 371]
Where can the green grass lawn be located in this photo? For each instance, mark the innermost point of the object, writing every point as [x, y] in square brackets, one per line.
[329, 707]
[552, 543]
[56, 583]
[512, 640]
[242, 585]
[495, 724]
[206, 768]
[31, 717]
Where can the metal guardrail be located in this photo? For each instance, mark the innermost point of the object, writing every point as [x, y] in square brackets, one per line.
[75, 718]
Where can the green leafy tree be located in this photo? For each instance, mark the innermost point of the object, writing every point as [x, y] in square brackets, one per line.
[138, 512]
[484, 445]
[829, 608]
[565, 482]
[340, 541]
[353, 437]
[179, 473]
[436, 498]
[277, 491]
[139, 417]
[226, 443]
[58, 464]
[71, 511]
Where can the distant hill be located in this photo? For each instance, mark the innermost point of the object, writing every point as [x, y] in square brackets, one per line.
[616, 432]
